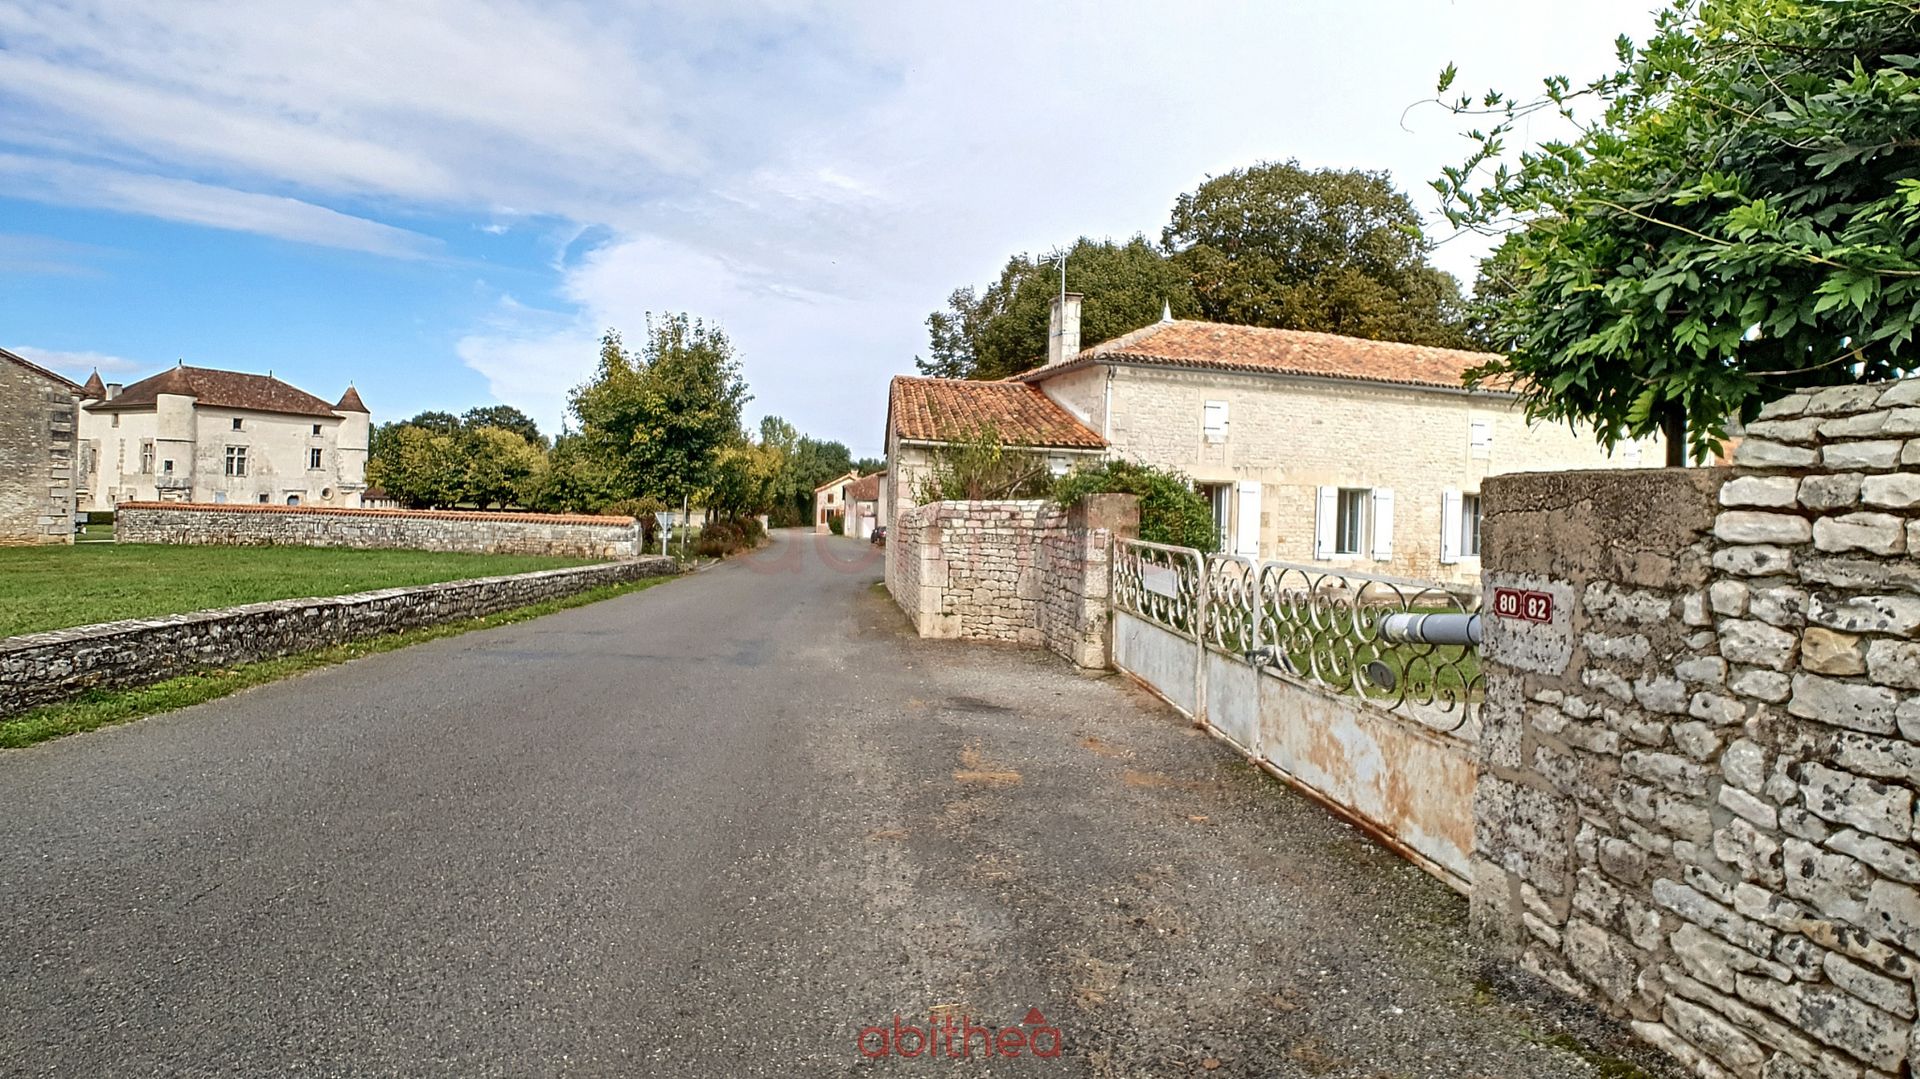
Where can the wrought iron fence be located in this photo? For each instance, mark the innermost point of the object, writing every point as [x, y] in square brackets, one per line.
[1314, 624]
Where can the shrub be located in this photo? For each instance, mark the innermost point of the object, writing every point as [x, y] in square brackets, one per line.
[722, 537]
[837, 523]
[981, 466]
[642, 510]
[1171, 511]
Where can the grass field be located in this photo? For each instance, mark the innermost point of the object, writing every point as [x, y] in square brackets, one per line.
[44, 588]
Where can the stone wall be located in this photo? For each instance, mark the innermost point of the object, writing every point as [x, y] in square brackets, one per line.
[1026, 572]
[36, 455]
[40, 668]
[1696, 801]
[426, 530]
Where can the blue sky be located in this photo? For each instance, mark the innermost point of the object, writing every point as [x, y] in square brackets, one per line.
[445, 201]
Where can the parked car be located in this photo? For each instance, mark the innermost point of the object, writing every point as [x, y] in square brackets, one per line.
[879, 537]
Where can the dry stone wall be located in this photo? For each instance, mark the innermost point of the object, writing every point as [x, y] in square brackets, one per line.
[1696, 803]
[36, 456]
[1024, 572]
[41, 668]
[425, 530]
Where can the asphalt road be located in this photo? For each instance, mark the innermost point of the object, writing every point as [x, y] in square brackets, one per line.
[715, 828]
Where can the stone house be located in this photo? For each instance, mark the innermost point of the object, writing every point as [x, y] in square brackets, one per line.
[1311, 447]
[36, 453]
[830, 498]
[863, 505]
[194, 434]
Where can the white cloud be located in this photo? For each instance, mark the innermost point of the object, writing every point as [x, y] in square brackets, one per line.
[204, 204]
[78, 365]
[815, 176]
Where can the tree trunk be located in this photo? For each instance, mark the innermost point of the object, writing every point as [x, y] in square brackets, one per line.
[1674, 426]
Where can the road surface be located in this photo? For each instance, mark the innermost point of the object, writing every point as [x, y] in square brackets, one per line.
[717, 828]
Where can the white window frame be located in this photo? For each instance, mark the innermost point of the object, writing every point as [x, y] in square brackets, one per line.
[314, 459]
[1246, 523]
[1470, 518]
[1370, 524]
[236, 461]
[1454, 526]
[146, 457]
[1480, 439]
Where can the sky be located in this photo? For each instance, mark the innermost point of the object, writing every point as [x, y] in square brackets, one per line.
[446, 202]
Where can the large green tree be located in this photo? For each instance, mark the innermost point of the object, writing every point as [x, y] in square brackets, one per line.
[1334, 250]
[659, 417]
[507, 418]
[1737, 215]
[1003, 330]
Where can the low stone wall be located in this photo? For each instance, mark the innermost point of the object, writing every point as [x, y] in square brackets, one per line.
[1696, 805]
[40, 668]
[1025, 572]
[572, 535]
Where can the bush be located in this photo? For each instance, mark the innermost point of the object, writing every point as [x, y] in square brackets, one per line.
[722, 537]
[642, 510]
[837, 523]
[1171, 511]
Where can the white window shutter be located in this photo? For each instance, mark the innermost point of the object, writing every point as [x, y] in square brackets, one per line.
[1214, 420]
[1326, 513]
[1247, 530]
[1382, 523]
[1450, 525]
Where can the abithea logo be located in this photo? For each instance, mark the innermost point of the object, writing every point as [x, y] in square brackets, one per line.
[957, 1037]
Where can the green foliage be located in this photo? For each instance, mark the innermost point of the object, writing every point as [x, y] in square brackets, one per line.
[1171, 511]
[574, 480]
[837, 523]
[1334, 250]
[1003, 330]
[981, 466]
[1743, 218]
[431, 465]
[660, 417]
[720, 538]
[809, 463]
[507, 418]
[747, 478]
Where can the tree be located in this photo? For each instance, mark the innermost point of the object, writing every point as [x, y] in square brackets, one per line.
[445, 423]
[574, 479]
[506, 418]
[1742, 218]
[746, 478]
[660, 418]
[1334, 250]
[1003, 330]
[418, 465]
[497, 466]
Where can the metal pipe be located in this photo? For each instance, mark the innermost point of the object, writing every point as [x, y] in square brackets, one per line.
[1458, 629]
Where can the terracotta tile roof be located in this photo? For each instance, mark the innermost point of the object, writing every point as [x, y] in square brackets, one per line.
[218, 389]
[949, 410]
[350, 401]
[865, 489]
[846, 477]
[94, 390]
[38, 370]
[352, 511]
[1222, 347]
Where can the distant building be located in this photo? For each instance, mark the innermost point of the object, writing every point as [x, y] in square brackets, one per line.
[193, 434]
[36, 453]
[830, 498]
[863, 505]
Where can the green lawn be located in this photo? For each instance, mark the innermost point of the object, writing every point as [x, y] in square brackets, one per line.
[44, 588]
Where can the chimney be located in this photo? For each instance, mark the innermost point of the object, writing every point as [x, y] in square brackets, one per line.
[113, 390]
[1063, 329]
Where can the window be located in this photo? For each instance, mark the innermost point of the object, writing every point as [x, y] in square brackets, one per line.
[316, 428]
[293, 500]
[1213, 420]
[236, 423]
[313, 458]
[166, 468]
[263, 499]
[1459, 525]
[236, 461]
[1350, 521]
[146, 457]
[1480, 438]
[219, 496]
[116, 419]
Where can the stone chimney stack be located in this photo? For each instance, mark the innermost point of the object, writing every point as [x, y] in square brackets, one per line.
[113, 390]
[1063, 329]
